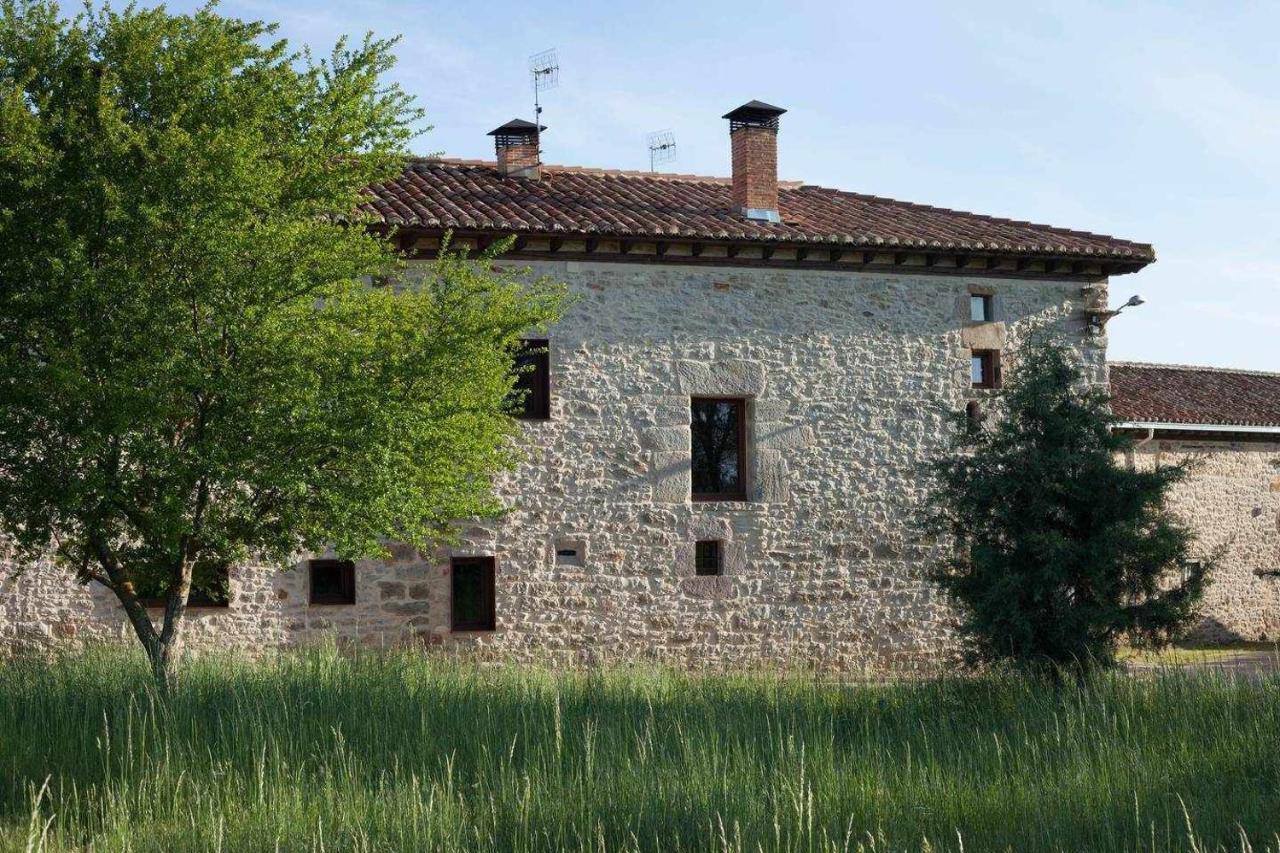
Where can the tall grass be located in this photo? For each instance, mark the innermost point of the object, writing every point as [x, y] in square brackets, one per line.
[400, 751]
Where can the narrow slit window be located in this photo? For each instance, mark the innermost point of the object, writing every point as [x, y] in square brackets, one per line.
[981, 308]
[707, 558]
[532, 390]
[472, 594]
[718, 433]
[984, 368]
[333, 581]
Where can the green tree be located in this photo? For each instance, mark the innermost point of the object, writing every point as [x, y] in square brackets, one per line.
[195, 368]
[1061, 549]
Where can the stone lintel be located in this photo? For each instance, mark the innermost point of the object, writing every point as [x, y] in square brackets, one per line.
[729, 378]
[984, 336]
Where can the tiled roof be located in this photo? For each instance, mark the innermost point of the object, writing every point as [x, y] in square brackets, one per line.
[472, 195]
[1170, 393]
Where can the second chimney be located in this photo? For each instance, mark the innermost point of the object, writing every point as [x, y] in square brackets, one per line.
[517, 145]
[753, 135]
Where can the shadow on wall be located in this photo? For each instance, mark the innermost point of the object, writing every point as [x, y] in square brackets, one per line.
[1211, 630]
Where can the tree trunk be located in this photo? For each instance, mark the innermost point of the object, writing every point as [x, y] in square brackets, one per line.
[163, 648]
[164, 657]
[168, 647]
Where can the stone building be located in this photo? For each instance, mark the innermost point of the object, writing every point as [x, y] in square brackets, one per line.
[1228, 423]
[725, 432]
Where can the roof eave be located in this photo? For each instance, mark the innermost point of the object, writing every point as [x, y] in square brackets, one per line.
[1064, 263]
[1174, 426]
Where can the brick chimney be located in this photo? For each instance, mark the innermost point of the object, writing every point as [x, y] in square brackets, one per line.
[753, 135]
[517, 145]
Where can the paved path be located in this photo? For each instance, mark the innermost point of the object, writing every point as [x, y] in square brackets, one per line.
[1250, 663]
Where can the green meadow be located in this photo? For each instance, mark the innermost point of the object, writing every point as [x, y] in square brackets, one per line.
[391, 751]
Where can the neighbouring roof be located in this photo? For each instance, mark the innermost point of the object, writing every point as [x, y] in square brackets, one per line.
[1178, 394]
[435, 194]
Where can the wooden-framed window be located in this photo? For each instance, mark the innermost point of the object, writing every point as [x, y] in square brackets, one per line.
[210, 588]
[707, 558]
[984, 368]
[471, 600]
[981, 307]
[718, 439]
[332, 581]
[533, 380]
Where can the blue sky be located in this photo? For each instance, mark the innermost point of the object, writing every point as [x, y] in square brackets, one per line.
[1157, 122]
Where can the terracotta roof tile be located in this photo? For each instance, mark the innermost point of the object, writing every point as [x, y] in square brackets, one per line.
[436, 193]
[1170, 393]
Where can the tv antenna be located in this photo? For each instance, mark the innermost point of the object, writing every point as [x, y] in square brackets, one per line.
[662, 148]
[545, 70]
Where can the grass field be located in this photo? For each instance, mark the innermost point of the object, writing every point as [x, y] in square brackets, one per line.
[397, 751]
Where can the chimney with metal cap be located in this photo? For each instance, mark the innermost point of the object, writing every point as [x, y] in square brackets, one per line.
[753, 135]
[517, 145]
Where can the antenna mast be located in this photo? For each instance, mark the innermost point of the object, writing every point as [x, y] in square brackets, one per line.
[545, 69]
[662, 148]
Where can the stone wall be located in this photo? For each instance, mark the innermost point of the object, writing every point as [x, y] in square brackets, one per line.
[1232, 502]
[850, 378]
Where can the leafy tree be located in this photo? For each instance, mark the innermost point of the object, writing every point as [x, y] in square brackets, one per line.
[194, 366]
[1062, 550]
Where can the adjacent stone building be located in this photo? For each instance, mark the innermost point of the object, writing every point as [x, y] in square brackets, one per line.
[725, 432]
[1228, 423]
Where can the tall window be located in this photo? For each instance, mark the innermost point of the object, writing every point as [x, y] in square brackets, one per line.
[980, 307]
[985, 368]
[333, 581]
[533, 380]
[706, 557]
[719, 436]
[973, 417]
[472, 598]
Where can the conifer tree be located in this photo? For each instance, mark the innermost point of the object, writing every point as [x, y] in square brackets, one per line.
[1062, 550]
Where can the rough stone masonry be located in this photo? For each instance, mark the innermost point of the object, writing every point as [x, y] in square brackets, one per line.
[840, 325]
[849, 379]
[1232, 502]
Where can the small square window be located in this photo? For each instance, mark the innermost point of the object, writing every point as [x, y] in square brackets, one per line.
[533, 380]
[333, 581]
[706, 557]
[981, 308]
[472, 594]
[718, 432]
[569, 551]
[984, 368]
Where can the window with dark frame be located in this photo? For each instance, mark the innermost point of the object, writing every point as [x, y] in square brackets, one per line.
[984, 368]
[533, 380]
[718, 439]
[332, 581]
[472, 594]
[210, 588]
[706, 557]
[981, 307]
